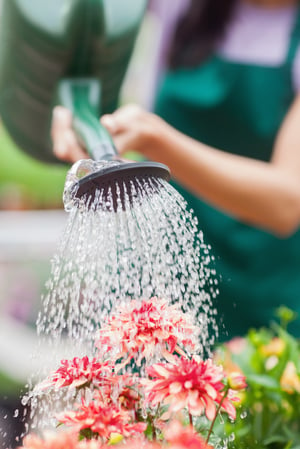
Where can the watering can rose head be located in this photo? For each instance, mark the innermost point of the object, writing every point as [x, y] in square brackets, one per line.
[79, 170]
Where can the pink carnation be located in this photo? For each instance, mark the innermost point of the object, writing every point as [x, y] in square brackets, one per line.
[142, 329]
[190, 383]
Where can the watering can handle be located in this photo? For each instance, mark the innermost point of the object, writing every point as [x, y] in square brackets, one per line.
[82, 97]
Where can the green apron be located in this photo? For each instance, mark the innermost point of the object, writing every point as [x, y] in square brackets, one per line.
[238, 108]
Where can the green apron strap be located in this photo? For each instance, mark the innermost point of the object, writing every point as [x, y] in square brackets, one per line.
[294, 40]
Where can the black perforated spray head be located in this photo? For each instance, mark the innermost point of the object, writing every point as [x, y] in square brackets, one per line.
[120, 185]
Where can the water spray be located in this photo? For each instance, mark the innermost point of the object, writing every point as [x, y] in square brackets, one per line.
[135, 237]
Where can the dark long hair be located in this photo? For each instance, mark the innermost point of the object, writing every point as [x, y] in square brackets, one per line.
[198, 30]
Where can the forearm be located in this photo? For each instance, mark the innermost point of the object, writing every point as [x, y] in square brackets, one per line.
[256, 192]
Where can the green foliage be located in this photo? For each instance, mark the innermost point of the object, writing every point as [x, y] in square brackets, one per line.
[34, 183]
[9, 387]
[268, 416]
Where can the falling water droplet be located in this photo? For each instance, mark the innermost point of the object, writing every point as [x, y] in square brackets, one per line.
[243, 415]
[147, 244]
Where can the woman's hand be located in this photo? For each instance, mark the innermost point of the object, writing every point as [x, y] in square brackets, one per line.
[131, 127]
[65, 144]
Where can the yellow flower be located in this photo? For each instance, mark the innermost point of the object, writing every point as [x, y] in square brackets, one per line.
[275, 347]
[290, 381]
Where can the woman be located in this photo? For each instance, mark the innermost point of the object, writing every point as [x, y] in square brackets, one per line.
[227, 124]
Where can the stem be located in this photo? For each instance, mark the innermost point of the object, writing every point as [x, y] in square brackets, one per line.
[191, 420]
[215, 417]
[154, 434]
[151, 421]
[153, 430]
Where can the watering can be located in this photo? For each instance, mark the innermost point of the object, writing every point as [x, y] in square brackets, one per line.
[69, 52]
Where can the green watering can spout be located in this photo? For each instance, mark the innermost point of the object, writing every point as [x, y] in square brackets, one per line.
[72, 52]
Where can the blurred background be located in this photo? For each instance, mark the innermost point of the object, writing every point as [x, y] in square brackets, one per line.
[31, 222]
[31, 219]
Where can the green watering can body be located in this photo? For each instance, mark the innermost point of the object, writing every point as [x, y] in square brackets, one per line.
[73, 52]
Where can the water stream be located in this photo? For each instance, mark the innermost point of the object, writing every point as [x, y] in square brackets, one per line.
[107, 257]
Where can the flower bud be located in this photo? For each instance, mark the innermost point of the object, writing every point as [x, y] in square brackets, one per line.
[236, 381]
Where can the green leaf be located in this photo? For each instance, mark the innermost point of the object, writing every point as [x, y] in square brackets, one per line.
[263, 380]
[275, 439]
[275, 423]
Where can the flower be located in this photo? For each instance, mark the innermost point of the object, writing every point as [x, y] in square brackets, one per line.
[236, 345]
[142, 443]
[129, 396]
[101, 418]
[290, 380]
[60, 440]
[180, 437]
[236, 381]
[275, 347]
[142, 329]
[191, 383]
[123, 389]
[78, 373]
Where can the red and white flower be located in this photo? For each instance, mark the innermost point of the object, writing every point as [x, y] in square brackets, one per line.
[144, 329]
[59, 440]
[191, 383]
[102, 419]
[129, 394]
[180, 437]
[78, 373]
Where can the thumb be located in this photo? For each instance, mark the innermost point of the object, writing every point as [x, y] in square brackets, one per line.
[110, 123]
